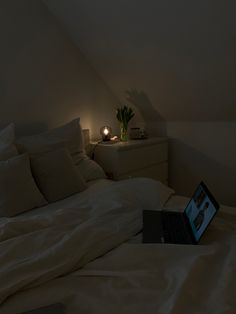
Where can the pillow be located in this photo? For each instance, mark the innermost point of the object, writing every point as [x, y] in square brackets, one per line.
[7, 138]
[90, 170]
[7, 152]
[68, 136]
[18, 191]
[7, 135]
[56, 175]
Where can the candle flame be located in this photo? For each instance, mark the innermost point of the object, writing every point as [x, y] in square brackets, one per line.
[106, 131]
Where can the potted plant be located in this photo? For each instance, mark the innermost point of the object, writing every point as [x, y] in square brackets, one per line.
[124, 115]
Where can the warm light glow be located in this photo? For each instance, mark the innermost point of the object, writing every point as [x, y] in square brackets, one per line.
[105, 131]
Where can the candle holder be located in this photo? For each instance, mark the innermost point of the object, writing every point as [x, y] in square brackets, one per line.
[106, 133]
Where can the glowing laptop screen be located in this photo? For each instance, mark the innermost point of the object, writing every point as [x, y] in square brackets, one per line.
[200, 211]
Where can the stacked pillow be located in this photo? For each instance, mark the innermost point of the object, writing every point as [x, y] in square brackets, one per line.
[53, 156]
[51, 167]
[18, 191]
[89, 169]
[56, 174]
[7, 147]
[69, 137]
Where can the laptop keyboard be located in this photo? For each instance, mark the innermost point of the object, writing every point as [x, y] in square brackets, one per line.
[174, 228]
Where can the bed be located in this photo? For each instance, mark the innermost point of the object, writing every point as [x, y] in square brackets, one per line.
[86, 252]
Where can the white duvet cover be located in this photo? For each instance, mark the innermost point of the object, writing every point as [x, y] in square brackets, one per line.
[57, 255]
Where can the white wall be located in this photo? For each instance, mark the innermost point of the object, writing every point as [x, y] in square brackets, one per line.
[180, 56]
[203, 151]
[44, 79]
[180, 53]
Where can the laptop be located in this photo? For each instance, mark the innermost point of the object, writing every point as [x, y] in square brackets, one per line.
[181, 227]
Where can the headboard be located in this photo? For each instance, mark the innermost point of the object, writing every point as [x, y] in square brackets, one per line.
[86, 138]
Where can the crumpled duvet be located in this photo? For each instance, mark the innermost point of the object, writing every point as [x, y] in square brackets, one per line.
[132, 278]
[37, 249]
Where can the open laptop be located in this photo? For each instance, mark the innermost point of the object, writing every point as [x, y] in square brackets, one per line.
[181, 227]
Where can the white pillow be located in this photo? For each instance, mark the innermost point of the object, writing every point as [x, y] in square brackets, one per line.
[7, 135]
[7, 152]
[7, 146]
[56, 175]
[68, 136]
[18, 191]
[90, 170]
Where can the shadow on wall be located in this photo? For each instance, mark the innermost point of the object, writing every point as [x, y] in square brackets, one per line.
[188, 166]
[154, 122]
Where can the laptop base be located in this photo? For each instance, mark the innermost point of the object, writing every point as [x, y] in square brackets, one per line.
[165, 227]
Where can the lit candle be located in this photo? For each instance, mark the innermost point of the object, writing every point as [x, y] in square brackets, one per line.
[106, 131]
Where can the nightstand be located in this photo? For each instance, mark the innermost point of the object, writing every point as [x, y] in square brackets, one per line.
[135, 158]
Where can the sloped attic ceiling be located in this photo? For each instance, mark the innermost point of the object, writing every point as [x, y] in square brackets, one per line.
[181, 54]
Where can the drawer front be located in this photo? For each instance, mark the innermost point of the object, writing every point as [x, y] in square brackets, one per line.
[138, 158]
[158, 172]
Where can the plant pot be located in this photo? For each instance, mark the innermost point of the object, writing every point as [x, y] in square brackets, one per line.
[124, 132]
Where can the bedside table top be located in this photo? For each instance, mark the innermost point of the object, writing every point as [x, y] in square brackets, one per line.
[131, 143]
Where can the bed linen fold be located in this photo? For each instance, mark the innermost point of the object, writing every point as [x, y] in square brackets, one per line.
[131, 278]
[164, 279]
[34, 250]
[150, 278]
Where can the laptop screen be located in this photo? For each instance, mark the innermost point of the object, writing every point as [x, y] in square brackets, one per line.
[200, 210]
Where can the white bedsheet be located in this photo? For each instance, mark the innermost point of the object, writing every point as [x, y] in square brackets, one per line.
[132, 278]
[36, 248]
